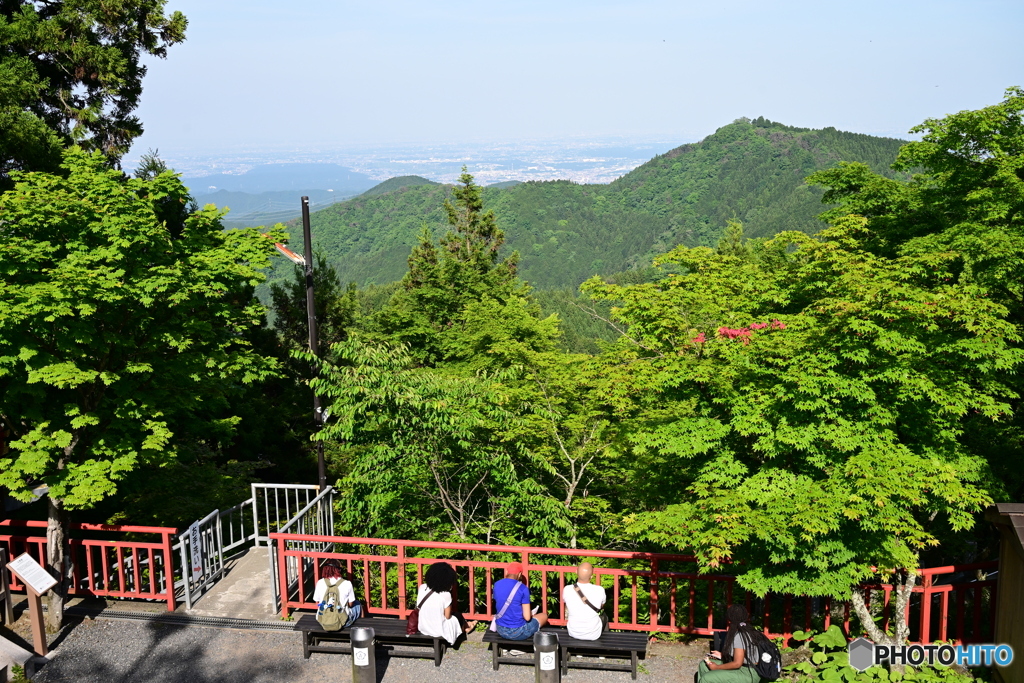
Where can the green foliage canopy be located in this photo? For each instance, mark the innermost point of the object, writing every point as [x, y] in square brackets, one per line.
[72, 72]
[120, 325]
[809, 405]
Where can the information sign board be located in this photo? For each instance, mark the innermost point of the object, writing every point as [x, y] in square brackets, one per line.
[32, 573]
[195, 539]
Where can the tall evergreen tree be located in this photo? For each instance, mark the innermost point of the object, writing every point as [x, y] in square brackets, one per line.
[72, 72]
[461, 299]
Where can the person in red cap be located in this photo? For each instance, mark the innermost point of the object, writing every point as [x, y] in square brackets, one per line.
[515, 619]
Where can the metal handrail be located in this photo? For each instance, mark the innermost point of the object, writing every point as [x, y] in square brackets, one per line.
[298, 515]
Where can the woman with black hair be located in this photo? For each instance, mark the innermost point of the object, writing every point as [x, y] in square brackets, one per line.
[735, 663]
[434, 600]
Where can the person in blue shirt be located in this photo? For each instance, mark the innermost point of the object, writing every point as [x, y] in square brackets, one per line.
[517, 622]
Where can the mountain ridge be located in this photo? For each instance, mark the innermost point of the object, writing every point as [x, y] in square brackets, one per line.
[565, 232]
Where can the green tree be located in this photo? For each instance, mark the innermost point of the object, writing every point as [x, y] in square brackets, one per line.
[805, 417]
[460, 300]
[72, 72]
[336, 306]
[732, 242]
[120, 330]
[966, 197]
[426, 450]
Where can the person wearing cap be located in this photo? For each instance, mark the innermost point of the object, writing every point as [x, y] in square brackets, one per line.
[515, 619]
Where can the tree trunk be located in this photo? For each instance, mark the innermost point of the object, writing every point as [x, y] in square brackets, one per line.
[901, 603]
[57, 561]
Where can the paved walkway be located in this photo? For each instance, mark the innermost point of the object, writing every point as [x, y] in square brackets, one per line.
[244, 593]
[108, 651]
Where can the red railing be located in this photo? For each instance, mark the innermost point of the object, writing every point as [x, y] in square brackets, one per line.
[119, 569]
[646, 592]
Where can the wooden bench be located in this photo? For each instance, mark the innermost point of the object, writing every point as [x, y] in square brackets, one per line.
[610, 643]
[386, 631]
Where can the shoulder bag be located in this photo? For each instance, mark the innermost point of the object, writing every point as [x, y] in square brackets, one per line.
[604, 617]
[412, 624]
[508, 601]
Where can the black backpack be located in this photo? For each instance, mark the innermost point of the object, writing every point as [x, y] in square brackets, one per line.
[769, 665]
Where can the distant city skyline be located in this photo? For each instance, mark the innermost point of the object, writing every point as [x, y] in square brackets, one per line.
[257, 74]
[592, 161]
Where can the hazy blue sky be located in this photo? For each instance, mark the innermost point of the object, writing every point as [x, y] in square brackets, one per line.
[257, 72]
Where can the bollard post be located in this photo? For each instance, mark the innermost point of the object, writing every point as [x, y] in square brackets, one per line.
[364, 659]
[545, 657]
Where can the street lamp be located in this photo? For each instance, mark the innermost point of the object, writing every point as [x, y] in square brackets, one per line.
[314, 345]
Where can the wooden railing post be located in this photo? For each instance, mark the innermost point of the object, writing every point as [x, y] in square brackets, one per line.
[926, 609]
[169, 567]
[401, 580]
[654, 592]
[282, 576]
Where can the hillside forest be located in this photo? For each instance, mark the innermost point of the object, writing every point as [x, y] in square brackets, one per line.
[806, 367]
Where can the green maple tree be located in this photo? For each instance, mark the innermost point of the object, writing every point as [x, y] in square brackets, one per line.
[124, 316]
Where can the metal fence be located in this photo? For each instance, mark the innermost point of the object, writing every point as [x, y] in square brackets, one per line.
[275, 505]
[315, 519]
[224, 534]
[220, 536]
[109, 565]
[646, 591]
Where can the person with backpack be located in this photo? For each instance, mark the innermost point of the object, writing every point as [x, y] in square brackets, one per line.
[747, 655]
[437, 616]
[337, 606]
[515, 619]
[583, 602]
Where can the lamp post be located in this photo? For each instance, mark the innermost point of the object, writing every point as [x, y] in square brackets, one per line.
[314, 344]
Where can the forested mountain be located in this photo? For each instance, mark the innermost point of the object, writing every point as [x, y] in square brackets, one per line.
[752, 171]
[392, 184]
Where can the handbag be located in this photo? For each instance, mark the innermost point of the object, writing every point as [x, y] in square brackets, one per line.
[412, 623]
[604, 617]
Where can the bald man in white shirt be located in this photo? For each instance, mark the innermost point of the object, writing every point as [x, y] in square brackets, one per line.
[581, 619]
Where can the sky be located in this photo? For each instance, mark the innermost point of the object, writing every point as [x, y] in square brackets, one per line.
[262, 73]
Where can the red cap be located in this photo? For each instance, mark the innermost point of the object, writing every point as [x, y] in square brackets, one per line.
[514, 568]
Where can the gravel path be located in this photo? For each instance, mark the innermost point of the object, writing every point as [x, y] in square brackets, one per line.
[109, 651]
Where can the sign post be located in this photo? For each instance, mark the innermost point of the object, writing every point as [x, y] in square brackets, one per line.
[37, 581]
[196, 542]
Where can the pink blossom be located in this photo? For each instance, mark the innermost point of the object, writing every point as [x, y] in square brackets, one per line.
[758, 326]
[778, 324]
[699, 339]
[729, 333]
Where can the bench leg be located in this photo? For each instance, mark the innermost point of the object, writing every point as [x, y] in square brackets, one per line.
[305, 644]
[633, 653]
[565, 661]
[495, 653]
[437, 651]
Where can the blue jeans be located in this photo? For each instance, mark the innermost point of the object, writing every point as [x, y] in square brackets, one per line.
[524, 632]
[355, 612]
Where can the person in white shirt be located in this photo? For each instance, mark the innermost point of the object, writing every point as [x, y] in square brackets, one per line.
[582, 620]
[331, 571]
[434, 599]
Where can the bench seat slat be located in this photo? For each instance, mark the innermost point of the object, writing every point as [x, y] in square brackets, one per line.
[389, 632]
[631, 644]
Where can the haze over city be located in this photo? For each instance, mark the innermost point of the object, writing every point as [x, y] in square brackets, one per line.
[380, 87]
